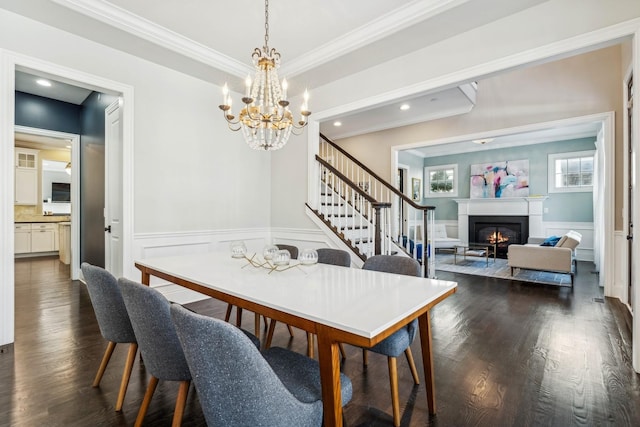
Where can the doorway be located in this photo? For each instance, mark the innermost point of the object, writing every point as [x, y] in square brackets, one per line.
[10, 63]
[402, 183]
[48, 139]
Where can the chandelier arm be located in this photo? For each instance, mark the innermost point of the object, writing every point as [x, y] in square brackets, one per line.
[231, 128]
[230, 120]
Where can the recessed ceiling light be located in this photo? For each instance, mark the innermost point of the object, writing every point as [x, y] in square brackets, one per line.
[405, 107]
[43, 82]
[337, 123]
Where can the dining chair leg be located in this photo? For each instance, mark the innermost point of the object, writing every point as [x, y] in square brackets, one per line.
[126, 375]
[342, 352]
[272, 327]
[105, 361]
[227, 315]
[181, 402]
[153, 383]
[393, 382]
[256, 324]
[290, 330]
[238, 317]
[310, 345]
[412, 365]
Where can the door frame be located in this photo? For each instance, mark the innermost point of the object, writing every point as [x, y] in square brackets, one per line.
[627, 176]
[10, 62]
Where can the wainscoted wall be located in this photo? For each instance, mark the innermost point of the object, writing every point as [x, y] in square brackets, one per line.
[155, 245]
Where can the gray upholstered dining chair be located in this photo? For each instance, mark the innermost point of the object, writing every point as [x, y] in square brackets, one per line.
[334, 257]
[159, 345]
[400, 341]
[113, 321]
[293, 250]
[239, 386]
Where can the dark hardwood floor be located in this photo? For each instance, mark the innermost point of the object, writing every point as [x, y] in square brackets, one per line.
[506, 353]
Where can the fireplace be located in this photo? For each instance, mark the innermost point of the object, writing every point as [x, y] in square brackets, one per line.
[499, 230]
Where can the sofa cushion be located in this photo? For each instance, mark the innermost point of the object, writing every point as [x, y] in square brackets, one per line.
[570, 240]
[550, 241]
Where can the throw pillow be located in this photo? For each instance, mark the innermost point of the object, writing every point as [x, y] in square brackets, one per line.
[550, 241]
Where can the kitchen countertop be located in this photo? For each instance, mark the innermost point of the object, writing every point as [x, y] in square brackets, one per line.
[43, 218]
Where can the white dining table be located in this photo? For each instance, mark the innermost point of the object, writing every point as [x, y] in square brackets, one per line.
[338, 304]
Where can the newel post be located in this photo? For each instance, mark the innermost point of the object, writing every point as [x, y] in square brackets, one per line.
[377, 236]
[379, 224]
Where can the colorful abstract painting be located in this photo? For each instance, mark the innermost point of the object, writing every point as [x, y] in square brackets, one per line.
[500, 180]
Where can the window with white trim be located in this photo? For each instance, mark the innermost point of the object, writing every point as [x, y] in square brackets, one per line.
[441, 181]
[571, 172]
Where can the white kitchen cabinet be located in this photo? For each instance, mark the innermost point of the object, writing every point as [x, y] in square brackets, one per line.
[26, 177]
[65, 242]
[22, 238]
[43, 237]
[56, 237]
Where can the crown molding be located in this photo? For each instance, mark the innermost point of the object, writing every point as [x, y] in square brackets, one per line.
[135, 25]
[392, 22]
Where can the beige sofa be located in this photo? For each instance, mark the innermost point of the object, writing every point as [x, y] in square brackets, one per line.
[559, 258]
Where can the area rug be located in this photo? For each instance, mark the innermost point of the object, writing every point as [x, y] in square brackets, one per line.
[478, 267]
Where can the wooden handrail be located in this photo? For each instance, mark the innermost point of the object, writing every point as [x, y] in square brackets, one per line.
[348, 181]
[372, 173]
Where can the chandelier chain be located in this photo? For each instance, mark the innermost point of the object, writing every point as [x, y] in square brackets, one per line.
[266, 25]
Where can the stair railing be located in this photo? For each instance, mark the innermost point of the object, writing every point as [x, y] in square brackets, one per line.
[409, 225]
[354, 215]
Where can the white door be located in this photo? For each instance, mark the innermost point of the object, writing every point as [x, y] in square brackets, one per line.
[631, 191]
[113, 190]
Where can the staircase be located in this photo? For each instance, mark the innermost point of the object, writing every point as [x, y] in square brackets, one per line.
[366, 213]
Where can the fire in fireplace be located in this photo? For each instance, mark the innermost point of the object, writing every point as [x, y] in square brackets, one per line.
[501, 231]
[497, 237]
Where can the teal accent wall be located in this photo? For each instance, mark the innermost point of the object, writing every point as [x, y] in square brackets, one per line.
[562, 206]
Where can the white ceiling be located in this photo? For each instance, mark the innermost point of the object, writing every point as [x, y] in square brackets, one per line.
[60, 91]
[320, 41]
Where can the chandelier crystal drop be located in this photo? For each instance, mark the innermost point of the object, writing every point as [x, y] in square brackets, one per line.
[265, 119]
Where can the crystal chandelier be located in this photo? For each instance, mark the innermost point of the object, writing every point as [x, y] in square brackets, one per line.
[265, 119]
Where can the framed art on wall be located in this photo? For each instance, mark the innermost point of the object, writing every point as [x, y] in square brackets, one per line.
[500, 179]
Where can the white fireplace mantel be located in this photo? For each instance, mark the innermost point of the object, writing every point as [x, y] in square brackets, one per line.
[516, 206]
